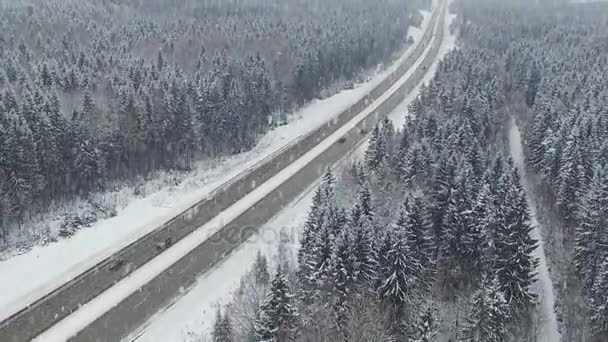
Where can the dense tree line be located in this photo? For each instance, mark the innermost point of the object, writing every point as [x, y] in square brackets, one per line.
[556, 61]
[433, 216]
[96, 91]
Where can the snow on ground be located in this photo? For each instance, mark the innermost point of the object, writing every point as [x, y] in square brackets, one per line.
[547, 330]
[92, 310]
[51, 265]
[193, 314]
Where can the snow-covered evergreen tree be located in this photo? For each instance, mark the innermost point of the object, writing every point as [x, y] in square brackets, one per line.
[515, 262]
[222, 329]
[260, 269]
[599, 303]
[376, 152]
[591, 246]
[279, 314]
[426, 328]
[399, 276]
[488, 314]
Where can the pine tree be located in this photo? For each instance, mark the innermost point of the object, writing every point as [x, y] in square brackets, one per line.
[388, 133]
[571, 178]
[88, 110]
[260, 269]
[376, 150]
[515, 264]
[222, 329]
[591, 245]
[399, 278]
[19, 155]
[440, 194]
[599, 303]
[361, 227]
[420, 238]
[426, 330]
[488, 314]
[415, 107]
[279, 316]
[479, 241]
[412, 165]
[458, 222]
[317, 237]
[343, 274]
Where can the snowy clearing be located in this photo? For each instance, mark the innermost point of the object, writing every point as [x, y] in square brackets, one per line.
[548, 330]
[192, 315]
[51, 265]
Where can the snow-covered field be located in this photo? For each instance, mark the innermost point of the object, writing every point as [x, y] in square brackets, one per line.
[547, 329]
[192, 315]
[51, 265]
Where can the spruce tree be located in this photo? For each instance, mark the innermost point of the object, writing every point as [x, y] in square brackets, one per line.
[515, 262]
[315, 235]
[399, 277]
[376, 151]
[488, 314]
[260, 269]
[591, 244]
[279, 315]
[599, 303]
[222, 329]
[441, 187]
[362, 228]
[420, 238]
[426, 328]
[458, 223]
[343, 274]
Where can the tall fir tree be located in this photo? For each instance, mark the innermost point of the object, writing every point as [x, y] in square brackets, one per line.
[222, 329]
[420, 239]
[426, 327]
[488, 314]
[591, 235]
[599, 303]
[376, 153]
[279, 315]
[399, 278]
[514, 246]
[260, 269]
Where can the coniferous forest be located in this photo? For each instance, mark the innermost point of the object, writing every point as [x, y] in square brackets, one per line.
[429, 235]
[98, 92]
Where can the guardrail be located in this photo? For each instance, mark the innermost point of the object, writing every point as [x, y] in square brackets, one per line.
[43, 313]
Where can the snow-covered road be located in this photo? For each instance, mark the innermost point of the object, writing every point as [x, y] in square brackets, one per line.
[547, 320]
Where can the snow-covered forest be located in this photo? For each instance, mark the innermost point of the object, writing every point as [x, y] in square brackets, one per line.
[430, 236]
[94, 93]
[566, 67]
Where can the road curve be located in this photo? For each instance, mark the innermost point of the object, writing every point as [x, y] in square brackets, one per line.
[120, 320]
